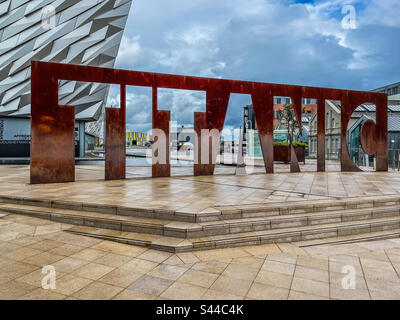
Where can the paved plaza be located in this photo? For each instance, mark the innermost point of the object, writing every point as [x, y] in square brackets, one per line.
[88, 268]
[193, 194]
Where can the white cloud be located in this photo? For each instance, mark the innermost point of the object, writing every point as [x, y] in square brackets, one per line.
[182, 104]
[130, 50]
[381, 12]
[194, 50]
[263, 40]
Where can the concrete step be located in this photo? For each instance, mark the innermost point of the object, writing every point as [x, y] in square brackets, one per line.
[187, 230]
[372, 236]
[295, 220]
[215, 213]
[156, 213]
[362, 229]
[309, 222]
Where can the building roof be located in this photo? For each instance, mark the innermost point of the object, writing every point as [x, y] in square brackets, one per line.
[305, 119]
[385, 87]
[393, 121]
[336, 103]
[393, 106]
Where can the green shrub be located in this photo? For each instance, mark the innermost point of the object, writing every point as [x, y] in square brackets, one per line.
[285, 144]
[300, 144]
[295, 144]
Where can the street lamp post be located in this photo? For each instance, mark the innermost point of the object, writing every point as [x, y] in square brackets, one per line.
[248, 125]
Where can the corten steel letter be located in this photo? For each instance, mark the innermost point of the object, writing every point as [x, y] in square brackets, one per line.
[52, 126]
[160, 147]
[368, 137]
[381, 133]
[296, 100]
[115, 140]
[52, 130]
[263, 105]
[217, 99]
[294, 164]
[199, 122]
[350, 101]
[346, 163]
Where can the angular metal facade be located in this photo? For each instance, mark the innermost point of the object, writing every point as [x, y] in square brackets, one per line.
[85, 32]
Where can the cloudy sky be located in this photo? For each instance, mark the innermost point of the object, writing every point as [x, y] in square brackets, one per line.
[315, 43]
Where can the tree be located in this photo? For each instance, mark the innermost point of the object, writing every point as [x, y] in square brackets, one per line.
[288, 118]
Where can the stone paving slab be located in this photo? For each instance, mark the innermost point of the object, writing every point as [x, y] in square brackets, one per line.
[96, 269]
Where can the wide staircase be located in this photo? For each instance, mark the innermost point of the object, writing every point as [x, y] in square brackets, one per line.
[305, 223]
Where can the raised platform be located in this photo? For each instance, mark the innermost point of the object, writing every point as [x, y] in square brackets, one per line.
[27, 160]
[187, 213]
[316, 222]
[185, 192]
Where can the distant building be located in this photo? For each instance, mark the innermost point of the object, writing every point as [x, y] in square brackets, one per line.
[249, 122]
[181, 135]
[228, 146]
[360, 114]
[309, 106]
[83, 32]
[392, 90]
[137, 138]
[332, 131]
[367, 112]
[90, 141]
[281, 130]
[305, 132]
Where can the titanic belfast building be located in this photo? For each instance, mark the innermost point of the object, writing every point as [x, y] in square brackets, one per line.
[66, 31]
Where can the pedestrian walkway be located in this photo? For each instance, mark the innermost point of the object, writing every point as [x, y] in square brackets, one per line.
[88, 268]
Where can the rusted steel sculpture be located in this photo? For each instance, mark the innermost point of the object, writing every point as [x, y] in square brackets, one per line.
[52, 126]
[115, 140]
[368, 137]
[294, 164]
[160, 156]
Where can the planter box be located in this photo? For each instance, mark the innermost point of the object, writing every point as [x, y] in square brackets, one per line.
[281, 153]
